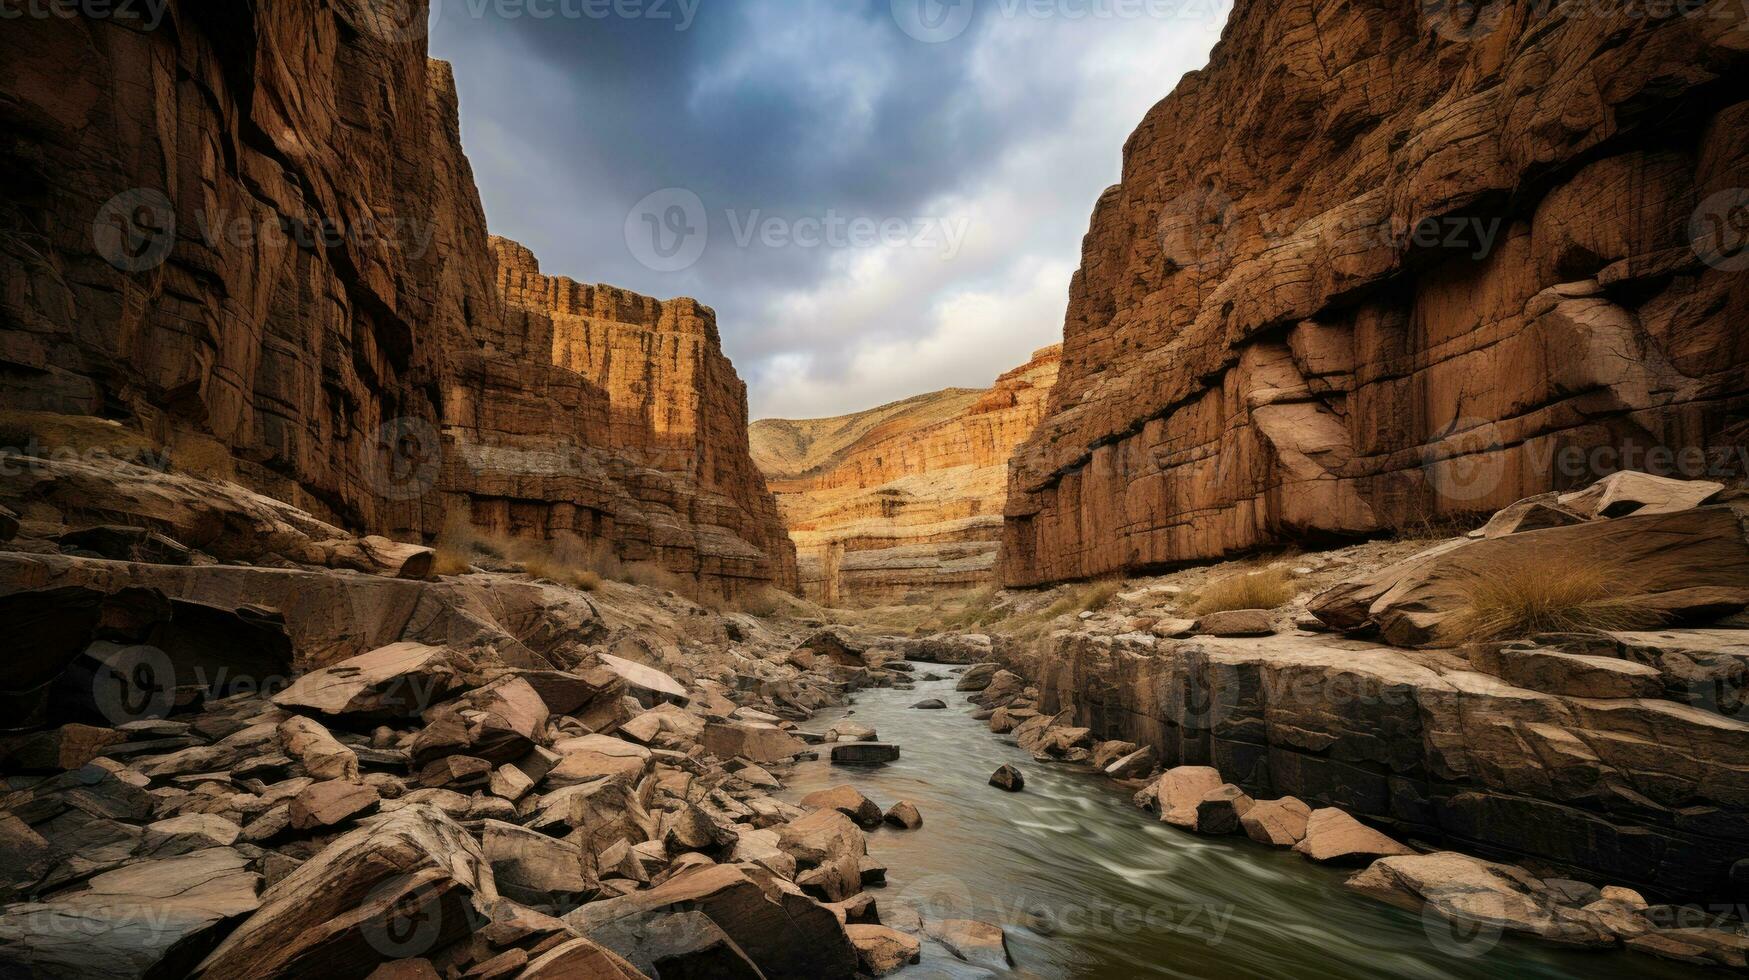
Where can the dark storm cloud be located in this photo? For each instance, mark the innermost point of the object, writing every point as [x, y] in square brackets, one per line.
[573, 111]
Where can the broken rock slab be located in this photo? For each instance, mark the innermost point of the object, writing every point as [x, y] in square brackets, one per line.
[649, 685]
[1278, 823]
[402, 887]
[787, 935]
[882, 950]
[1181, 790]
[864, 753]
[1334, 837]
[978, 943]
[1480, 893]
[398, 681]
[847, 800]
[760, 744]
[152, 919]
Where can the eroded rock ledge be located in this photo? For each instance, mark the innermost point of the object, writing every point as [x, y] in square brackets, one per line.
[1367, 269]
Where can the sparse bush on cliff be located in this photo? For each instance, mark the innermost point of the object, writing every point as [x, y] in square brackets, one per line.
[1085, 597]
[565, 561]
[1549, 592]
[1268, 589]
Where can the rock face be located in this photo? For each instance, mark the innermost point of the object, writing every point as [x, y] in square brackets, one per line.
[1373, 266]
[1416, 743]
[256, 243]
[904, 500]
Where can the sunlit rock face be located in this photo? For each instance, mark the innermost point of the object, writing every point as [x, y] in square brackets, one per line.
[252, 235]
[1373, 267]
[903, 501]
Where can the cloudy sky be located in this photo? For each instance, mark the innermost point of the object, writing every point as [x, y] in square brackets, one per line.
[879, 197]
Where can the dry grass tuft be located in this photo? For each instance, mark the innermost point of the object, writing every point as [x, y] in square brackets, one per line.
[1549, 592]
[1268, 589]
[1085, 597]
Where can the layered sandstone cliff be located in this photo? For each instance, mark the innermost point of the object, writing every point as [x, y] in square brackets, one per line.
[902, 501]
[1378, 264]
[251, 234]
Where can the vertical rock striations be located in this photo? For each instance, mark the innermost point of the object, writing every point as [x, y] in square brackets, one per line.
[251, 234]
[891, 504]
[1377, 265]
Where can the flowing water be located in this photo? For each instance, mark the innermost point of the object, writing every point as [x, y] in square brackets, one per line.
[1087, 885]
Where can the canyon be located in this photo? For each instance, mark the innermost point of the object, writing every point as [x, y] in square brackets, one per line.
[1379, 265]
[282, 274]
[386, 605]
[891, 505]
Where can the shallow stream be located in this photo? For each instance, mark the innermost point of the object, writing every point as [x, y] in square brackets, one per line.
[1087, 885]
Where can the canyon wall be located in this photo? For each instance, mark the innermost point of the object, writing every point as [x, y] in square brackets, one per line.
[901, 502]
[1380, 264]
[250, 233]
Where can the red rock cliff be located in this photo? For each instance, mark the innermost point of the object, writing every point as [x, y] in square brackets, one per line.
[250, 232]
[1370, 268]
[897, 503]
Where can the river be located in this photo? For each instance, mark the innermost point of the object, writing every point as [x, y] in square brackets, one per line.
[1088, 885]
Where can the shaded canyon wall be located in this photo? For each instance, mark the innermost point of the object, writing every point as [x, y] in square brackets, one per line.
[250, 232]
[1376, 266]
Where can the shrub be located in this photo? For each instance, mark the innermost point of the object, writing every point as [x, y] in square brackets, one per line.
[1550, 592]
[1268, 589]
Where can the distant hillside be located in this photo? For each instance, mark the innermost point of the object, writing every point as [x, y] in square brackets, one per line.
[787, 449]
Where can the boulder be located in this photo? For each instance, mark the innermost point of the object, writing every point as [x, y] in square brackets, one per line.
[930, 704]
[787, 935]
[830, 847]
[322, 755]
[904, 814]
[838, 647]
[593, 757]
[1180, 790]
[332, 803]
[399, 888]
[151, 919]
[1237, 622]
[1002, 690]
[1479, 893]
[1684, 564]
[1133, 766]
[1334, 837]
[186, 834]
[1278, 823]
[535, 869]
[376, 555]
[1008, 778]
[1221, 810]
[881, 950]
[649, 685]
[978, 943]
[760, 744]
[977, 677]
[864, 753]
[1532, 514]
[579, 959]
[398, 681]
[850, 731]
[848, 801]
[676, 944]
